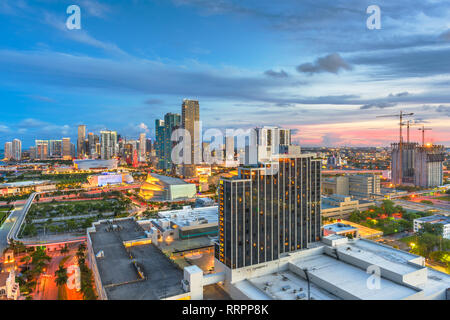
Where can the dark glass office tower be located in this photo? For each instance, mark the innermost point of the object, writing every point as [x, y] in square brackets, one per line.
[269, 210]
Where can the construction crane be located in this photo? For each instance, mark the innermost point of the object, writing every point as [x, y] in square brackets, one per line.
[401, 115]
[423, 129]
[409, 123]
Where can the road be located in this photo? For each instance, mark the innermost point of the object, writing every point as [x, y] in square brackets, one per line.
[7, 225]
[46, 288]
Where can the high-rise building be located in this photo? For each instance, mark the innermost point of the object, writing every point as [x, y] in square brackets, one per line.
[109, 148]
[148, 147]
[66, 147]
[17, 149]
[142, 147]
[172, 122]
[55, 148]
[270, 140]
[72, 150]
[403, 173]
[269, 209]
[428, 161]
[8, 151]
[190, 115]
[229, 148]
[42, 149]
[159, 141]
[91, 145]
[81, 150]
[420, 165]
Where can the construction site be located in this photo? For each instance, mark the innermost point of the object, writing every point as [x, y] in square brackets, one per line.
[415, 164]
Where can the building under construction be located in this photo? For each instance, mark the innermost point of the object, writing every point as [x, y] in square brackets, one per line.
[417, 165]
[403, 166]
[428, 160]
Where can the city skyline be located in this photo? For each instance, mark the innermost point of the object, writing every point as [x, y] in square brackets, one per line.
[268, 66]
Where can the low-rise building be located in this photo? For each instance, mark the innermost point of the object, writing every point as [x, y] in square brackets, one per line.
[22, 187]
[126, 265]
[9, 288]
[340, 206]
[434, 219]
[356, 185]
[340, 228]
[182, 224]
[337, 268]
[160, 188]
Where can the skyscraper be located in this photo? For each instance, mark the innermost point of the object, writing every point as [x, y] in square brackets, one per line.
[142, 147]
[148, 147]
[159, 141]
[190, 113]
[42, 149]
[8, 151]
[81, 152]
[172, 122]
[269, 209]
[66, 148]
[108, 144]
[55, 148]
[270, 140]
[428, 161]
[17, 149]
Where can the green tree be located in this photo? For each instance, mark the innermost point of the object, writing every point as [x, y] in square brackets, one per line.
[61, 276]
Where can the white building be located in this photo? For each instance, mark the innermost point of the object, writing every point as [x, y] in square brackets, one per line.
[8, 151]
[17, 149]
[434, 219]
[9, 288]
[335, 269]
[182, 224]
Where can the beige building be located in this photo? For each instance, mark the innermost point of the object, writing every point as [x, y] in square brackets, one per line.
[339, 206]
[361, 186]
[190, 121]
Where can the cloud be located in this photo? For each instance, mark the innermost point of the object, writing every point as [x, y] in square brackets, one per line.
[401, 94]
[138, 75]
[332, 63]
[443, 109]
[41, 98]
[80, 36]
[143, 127]
[95, 8]
[276, 74]
[153, 101]
[4, 129]
[379, 105]
[31, 123]
[445, 35]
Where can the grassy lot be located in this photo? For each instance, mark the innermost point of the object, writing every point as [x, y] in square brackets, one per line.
[4, 212]
[445, 198]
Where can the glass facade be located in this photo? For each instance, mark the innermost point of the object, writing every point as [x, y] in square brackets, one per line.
[269, 210]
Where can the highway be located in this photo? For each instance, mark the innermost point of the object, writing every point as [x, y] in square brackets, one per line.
[417, 206]
[11, 226]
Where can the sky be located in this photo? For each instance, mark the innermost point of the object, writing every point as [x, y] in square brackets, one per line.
[311, 65]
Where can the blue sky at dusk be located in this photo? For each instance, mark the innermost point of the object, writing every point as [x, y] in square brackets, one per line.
[310, 65]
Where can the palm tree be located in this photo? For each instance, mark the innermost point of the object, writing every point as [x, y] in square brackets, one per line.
[61, 276]
[65, 249]
[27, 260]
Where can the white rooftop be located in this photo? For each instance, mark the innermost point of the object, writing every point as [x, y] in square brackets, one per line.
[343, 270]
[190, 217]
